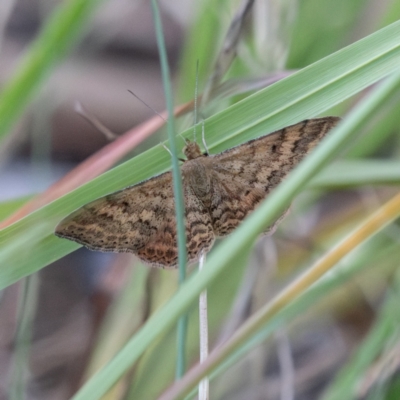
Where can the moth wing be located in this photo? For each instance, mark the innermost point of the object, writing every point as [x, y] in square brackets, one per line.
[244, 175]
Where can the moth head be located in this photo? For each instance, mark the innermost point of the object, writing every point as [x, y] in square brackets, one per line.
[192, 150]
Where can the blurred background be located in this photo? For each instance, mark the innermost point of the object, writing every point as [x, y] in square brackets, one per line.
[85, 306]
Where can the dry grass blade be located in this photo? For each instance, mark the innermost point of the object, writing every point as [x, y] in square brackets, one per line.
[228, 51]
[383, 216]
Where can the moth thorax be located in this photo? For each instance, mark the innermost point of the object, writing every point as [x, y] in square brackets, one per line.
[192, 150]
[198, 178]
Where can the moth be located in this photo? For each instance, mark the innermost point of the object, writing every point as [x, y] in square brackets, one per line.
[219, 192]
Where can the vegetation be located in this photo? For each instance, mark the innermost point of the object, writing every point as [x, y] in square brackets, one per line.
[338, 71]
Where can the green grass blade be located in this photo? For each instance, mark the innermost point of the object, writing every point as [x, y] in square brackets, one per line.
[371, 254]
[177, 180]
[302, 95]
[178, 194]
[9, 206]
[55, 40]
[384, 331]
[277, 202]
[350, 173]
[238, 243]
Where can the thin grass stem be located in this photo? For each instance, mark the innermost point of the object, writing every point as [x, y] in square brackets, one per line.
[178, 194]
[203, 325]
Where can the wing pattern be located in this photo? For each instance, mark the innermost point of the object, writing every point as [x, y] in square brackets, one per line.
[219, 191]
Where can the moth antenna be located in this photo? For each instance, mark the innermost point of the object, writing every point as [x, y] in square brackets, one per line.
[166, 148]
[148, 106]
[169, 151]
[156, 112]
[94, 122]
[203, 137]
[184, 139]
[195, 100]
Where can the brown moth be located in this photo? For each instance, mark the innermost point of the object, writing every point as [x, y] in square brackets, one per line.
[219, 191]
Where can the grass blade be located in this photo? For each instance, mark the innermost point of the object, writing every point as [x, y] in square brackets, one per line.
[236, 244]
[311, 91]
[57, 37]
